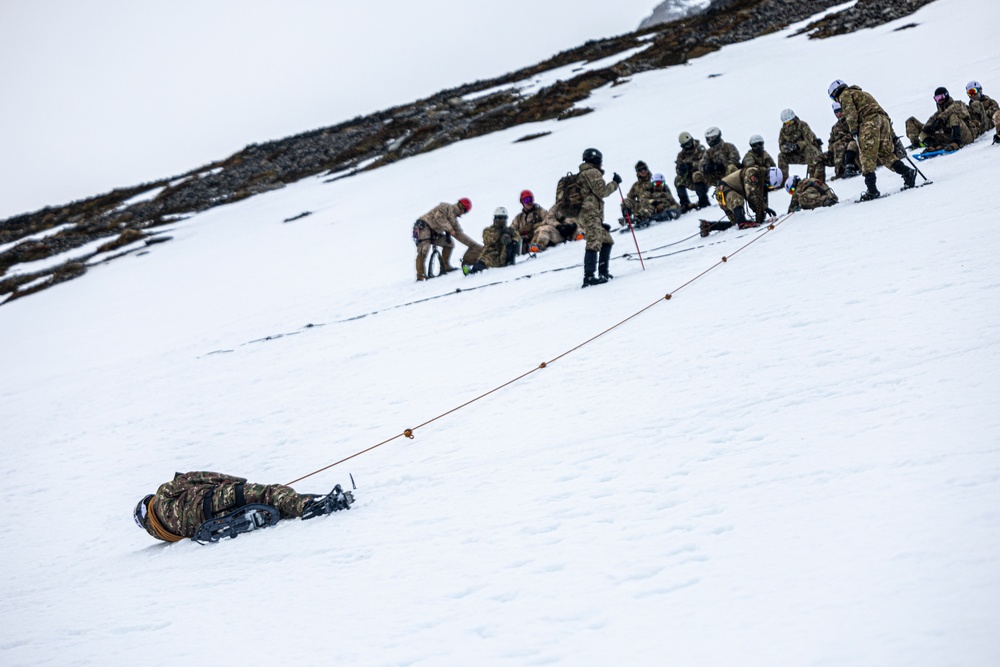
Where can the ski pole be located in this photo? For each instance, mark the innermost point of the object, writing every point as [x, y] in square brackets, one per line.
[912, 163]
[628, 218]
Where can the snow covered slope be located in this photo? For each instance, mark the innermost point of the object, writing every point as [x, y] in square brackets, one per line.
[793, 461]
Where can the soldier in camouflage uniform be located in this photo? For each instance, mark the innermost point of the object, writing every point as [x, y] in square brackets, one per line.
[648, 199]
[996, 124]
[757, 156]
[981, 107]
[744, 187]
[720, 159]
[798, 144]
[842, 151]
[437, 227]
[950, 127]
[598, 235]
[181, 505]
[869, 124]
[500, 244]
[809, 193]
[553, 232]
[689, 177]
[527, 222]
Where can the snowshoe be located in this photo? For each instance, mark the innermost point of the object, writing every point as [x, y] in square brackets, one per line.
[241, 520]
[868, 196]
[336, 500]
[592, 280]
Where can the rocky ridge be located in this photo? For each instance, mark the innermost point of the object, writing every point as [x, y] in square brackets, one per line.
[130, 219]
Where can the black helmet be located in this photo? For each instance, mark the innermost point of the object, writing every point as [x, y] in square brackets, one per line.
[141, 511]
[941, 93]
[593, 156]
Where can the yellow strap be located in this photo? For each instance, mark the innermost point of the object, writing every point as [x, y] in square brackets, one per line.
[158, 528]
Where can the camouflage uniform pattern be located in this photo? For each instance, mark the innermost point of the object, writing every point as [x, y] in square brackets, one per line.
[746, 186]
[688, 165]
[718, 161]
[981, 109]
[527, 222]
[841, 142]
[949, 115]
[797, 145]
[996, 122]
[179, 503]
[592, 211]
[644, 200]
[866, 117]
[496, 238]
[441, 226]
[553, 232]
[812, 193]
[763, 159]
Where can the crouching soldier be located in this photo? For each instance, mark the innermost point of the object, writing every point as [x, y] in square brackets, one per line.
[721, 158]
[809, 193]
[593, 191]
[689, 177]
[950, 127]
[179, 507]
[981, 107]
[757, 156]
[842, 151]
[437, 227]
[745, 187]
[649, 200]
[799, 145]
[528, 220]
[500, 244]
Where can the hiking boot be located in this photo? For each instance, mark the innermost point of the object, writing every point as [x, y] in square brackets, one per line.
[594, 280]
[604, 257]
[872, 192]
[705, 228]
[336, 500]
[702, 190]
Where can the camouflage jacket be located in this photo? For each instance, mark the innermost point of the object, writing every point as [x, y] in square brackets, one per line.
[798, 133]
[950, 115]
[689, 160]
[443, 219]
[840, 135]
[721, 155]
[179, 503]
[982, 110]
[752, 184]
[812, 193]
[859, 107]
[526, 222]
[496, 239]
[639, 192]
[594, 191]
[752, 159]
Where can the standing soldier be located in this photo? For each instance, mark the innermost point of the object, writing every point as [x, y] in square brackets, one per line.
[437, 227]
[870, 126]
[842, 150]
[689, 177]
[950, 127]
[720, 159]
[527, 222]
[757, 156]
[594, 190]
[746, 186]
[809, 193]
[981, 107]
[500, 244]
[798, 145]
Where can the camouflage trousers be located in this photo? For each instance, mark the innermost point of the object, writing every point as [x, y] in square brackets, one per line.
[838, 156]
[812, 194]
[729, 200]
[595, 232]
[811, 157]
[545, 236]
[877, 144]
[284, 498]
[918, 135]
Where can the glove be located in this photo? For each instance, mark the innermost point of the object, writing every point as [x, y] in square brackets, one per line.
[932, 126]
[606, 226]
[789, 147]
[617, 179]
[626, 207]
[770, 212]
[819, 143]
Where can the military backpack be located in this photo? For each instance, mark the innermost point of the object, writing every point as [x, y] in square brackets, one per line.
[569, 195]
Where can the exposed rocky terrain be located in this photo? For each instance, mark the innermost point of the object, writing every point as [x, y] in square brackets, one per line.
[127, 219]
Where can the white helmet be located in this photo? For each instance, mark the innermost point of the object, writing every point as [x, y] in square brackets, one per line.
[791, 183]
[834, 90]
[712, 133]
[658, 178]
[501, 212]
[787, 115]
[756, 139]
[974, 86]
[684, 138]
[775, 178]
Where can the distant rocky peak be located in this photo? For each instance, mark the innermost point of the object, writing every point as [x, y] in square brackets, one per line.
[672, 10]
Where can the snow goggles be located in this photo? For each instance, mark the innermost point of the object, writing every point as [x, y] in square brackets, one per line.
[940, 98]
[527, 200]
[658, 184]
[973, 92]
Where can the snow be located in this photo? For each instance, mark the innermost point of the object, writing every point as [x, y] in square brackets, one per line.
[792, 461]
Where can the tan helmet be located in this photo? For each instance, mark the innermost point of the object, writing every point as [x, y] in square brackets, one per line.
[684, 138]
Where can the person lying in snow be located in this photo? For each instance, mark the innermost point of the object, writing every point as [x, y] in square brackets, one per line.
[180, 507]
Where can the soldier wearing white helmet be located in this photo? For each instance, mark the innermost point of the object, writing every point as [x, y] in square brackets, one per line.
[809, 193]
[500, 244]
[721, 158]
[689, 177]
[981, 107]
[757, 156]
[746, 187]
[798, 144]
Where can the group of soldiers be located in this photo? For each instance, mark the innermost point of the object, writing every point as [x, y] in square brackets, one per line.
[860, 140]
